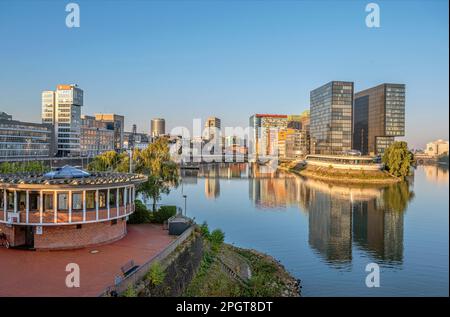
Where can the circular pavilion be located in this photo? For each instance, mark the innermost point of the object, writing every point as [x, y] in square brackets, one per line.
[67, 208]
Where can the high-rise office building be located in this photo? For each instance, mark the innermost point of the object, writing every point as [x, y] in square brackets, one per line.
[331, 118]
[379, 117]
[114, 122]
[212, 125]
[96, 138]
[24, 140]
[158, 127]
[265, 130]
[62, 109]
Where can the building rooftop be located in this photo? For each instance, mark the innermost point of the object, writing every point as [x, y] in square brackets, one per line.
[70, 176]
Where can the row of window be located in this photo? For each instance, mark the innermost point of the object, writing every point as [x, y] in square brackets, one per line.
[62, 199]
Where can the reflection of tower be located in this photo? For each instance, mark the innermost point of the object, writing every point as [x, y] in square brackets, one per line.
[212, 184]
[378, 230]
[212, 187]
[330, 227]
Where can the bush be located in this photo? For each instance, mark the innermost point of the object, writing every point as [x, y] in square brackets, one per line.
[204, 230]
[140, 215]
[164, 213]
[130, 292]
[156, 274]
[216, 238]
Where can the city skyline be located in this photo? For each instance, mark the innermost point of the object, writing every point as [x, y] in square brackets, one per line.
[175, 65]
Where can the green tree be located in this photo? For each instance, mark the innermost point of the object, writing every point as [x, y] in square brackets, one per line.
[162, 172]
[398, 159]
[20, 167]
[110, 161]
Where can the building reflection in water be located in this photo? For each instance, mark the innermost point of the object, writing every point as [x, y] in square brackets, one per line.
[436, 173]
[340, 216]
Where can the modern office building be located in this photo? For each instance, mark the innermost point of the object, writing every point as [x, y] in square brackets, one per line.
[378, 117]
[331, 118]
[158, 127]
[212, 126]
[293, 142]
[114, 122]
[62, 109]
[67, 208]
[25, 140]
[264, 129]
[96, 137]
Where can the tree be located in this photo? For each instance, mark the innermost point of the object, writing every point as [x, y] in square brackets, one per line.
[398, 159]
[110, 161]
[154, 161]
[162, 172]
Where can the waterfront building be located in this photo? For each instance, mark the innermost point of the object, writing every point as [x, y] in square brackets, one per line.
[135, 140]
[5, 116]
[158, 127]
[348, 162]
[212, 127]
[116, 123]
[25, 140]
[62, 109]
[67, 208]
[331, 118]
[437, 148]
[379, 117]
[96, 137]
[264, 130]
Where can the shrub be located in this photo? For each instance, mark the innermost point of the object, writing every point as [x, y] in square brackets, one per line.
[204, 230]
[216, 238]
[140, 215]
[156, 274]
[164, 213]
[130, 292]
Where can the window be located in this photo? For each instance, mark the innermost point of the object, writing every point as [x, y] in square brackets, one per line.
[34, 198]
[112, 198]
[90, 199]
[77, 201]
[63, 201]
[48, 201]
[102, 194]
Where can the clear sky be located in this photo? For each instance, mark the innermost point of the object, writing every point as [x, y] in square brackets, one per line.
[190, 59]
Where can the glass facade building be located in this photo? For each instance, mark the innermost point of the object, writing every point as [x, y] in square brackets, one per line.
[331, 118]
[379, 117]
[21, 140]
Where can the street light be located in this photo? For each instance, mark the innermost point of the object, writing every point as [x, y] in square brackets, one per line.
[185, 198]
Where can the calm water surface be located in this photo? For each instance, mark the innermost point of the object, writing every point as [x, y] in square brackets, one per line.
[326, 234]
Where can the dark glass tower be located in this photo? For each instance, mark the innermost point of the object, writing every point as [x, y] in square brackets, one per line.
[331, 118]
[379, 116]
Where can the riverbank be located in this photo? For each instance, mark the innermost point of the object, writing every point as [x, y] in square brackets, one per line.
[334, 175]
[233, 271]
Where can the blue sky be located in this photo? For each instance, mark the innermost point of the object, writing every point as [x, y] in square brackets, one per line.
[191, 59]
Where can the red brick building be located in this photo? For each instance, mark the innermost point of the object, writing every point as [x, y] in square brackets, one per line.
[66, 209]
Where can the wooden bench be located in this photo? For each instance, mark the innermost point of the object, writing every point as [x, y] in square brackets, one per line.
[129, 268]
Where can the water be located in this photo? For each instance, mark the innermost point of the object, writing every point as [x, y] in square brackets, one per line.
[326, 234]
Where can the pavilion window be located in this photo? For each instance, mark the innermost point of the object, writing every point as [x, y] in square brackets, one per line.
[112, 198]
[90, 199]
[48, 201]
[102, 194]
[121, 191]
[10, 200]
[21, 200]
[2, 201]
[63, 201]
[77, 201]
[34, 202]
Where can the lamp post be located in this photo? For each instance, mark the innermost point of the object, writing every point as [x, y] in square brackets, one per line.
[185, 198]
